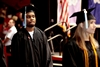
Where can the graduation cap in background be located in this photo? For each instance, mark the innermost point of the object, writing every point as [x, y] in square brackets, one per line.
[27, 9]
[80, 16]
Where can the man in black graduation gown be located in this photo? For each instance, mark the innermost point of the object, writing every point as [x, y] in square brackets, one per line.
[29, 46]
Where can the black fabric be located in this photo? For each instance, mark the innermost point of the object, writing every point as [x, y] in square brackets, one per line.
[28, 8]
[28, 52]
[91, 54]
[8, 49]
[2, 58]
[73, 56]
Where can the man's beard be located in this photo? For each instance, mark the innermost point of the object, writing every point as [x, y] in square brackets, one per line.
[30, 26]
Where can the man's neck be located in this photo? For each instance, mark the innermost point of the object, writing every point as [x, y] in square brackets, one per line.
[11, 27]
[30, 29]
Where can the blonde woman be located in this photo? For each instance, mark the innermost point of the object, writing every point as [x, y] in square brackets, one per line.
[82, 50]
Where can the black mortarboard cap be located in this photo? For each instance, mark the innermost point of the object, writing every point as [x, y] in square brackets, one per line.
[80, 17]
[27, 9]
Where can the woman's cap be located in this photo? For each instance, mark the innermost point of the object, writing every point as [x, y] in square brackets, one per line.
[80, 16]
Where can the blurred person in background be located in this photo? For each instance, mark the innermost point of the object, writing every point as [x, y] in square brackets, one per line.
[8, 38]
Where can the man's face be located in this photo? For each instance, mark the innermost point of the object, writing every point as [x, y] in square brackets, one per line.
[10, 23]
[30, 19]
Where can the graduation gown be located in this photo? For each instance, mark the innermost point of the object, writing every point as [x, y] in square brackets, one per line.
[73, 56]
[28, 52]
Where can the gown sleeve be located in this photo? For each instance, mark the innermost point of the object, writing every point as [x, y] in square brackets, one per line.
[49, 61]
[69, 53]
[15, 50]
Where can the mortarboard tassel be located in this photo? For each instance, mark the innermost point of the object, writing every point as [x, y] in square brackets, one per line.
[25, 18]
[86, 21]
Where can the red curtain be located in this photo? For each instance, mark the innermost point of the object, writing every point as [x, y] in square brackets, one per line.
[16, 4]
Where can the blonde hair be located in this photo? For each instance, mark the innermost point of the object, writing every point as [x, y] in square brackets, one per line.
[81, 43]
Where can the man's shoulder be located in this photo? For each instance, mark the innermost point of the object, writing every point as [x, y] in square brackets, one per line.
[20, 32]
[39, 30]
[40, 33]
